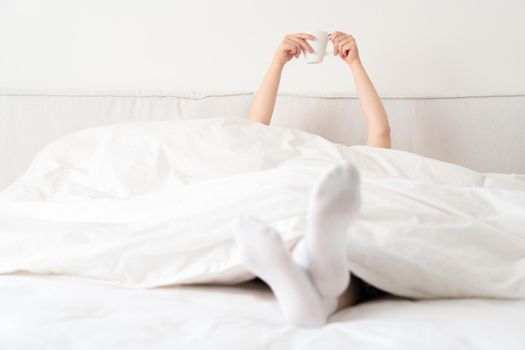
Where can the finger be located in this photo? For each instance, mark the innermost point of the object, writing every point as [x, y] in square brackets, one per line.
[352, 39]
[298, 50]
[288, 45]
[302, 42]
[334, 43]
[305, 36]
[340, 39]
[343, 42]
[292, 43]
[294, 48]
[337, 37]
[346, 49]
[290, 48]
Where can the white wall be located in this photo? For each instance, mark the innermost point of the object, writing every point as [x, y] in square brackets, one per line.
[411, 48]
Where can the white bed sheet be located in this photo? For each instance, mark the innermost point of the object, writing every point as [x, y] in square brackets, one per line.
[52, 313]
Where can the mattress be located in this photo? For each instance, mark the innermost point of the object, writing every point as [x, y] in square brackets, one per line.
[54, 313]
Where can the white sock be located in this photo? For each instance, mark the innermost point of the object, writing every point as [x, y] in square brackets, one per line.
[334, 204]
[264, 254]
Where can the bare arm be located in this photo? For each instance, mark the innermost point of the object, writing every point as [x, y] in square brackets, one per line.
[262, 107]
[375, 114]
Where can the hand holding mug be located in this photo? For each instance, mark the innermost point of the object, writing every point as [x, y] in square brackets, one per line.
[345, 47]
[291, 46]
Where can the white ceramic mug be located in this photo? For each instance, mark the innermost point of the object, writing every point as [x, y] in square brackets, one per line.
[318, 45]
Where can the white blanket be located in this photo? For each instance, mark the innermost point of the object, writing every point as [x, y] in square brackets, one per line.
[150, 204]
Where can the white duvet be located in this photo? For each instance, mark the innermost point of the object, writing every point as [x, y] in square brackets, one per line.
[149, 204]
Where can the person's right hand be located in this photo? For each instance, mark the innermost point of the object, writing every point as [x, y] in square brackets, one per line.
[292, 46]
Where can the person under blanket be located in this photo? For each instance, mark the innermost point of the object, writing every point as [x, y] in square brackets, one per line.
[313, 281]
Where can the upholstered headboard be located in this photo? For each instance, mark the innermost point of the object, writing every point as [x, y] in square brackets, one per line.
[484, 133]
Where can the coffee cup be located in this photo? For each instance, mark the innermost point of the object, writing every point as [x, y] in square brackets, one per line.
[318, 45]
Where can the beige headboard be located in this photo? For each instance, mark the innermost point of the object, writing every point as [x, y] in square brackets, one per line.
[483, 133]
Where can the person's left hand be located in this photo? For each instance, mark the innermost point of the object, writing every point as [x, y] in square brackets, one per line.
[345, 47]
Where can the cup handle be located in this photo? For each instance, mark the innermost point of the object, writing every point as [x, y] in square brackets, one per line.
[328, 52]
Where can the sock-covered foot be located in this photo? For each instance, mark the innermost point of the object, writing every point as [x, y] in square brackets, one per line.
[334, 204]
[264, 254]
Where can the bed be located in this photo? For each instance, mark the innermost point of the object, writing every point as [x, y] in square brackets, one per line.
[84, 300]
